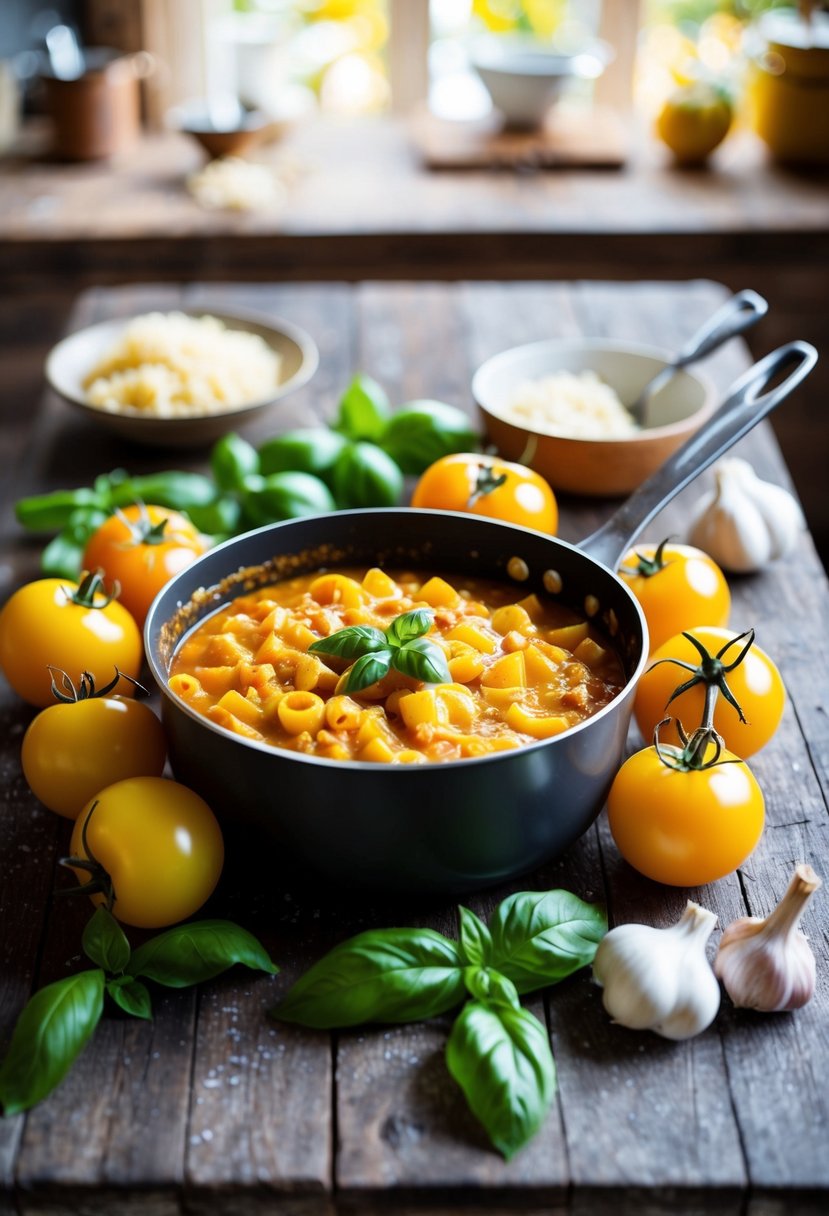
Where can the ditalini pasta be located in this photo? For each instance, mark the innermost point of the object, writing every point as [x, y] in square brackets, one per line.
[519, 672]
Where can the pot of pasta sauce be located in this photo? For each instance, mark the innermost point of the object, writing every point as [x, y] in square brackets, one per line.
[446, 826]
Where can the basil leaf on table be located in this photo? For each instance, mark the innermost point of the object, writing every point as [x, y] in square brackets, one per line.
[502, 1061]
[476, 940]
[422, 660]
[383, 975]
[105, 943]
[50, 1034]
[188, 954]
[364, 409]
[540, 937]
[490, 987]
[131, 996]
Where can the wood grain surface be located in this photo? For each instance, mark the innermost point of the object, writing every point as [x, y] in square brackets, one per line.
[211, 1107]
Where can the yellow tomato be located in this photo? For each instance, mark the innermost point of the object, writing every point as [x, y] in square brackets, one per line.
[685, 827]
[678, 587]
[693, 122]
[484, 485]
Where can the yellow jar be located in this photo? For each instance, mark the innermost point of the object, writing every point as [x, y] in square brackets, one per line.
[788, 89]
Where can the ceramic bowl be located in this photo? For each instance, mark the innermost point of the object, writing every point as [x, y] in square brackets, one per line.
[524, 77]
[68, 364]
[231, 131]
[595, 467]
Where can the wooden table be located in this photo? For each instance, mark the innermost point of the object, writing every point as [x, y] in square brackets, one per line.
[211, 1108]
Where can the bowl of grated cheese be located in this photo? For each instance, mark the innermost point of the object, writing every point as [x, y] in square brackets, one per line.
[180, 379]
[560, 408]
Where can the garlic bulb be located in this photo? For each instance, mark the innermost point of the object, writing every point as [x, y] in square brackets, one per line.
[660, 979]
[744, 523]
[767, 964]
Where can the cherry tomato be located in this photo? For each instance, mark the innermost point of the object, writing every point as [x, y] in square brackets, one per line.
[73, 749]
[160, 845]
[755, 683]
[685, 827]
[142, 547]
[678, 587]
[74, 628]
[484, 485]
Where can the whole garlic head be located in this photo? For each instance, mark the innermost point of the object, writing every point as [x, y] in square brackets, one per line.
[767, 963]
[745, 523]
[660, 979]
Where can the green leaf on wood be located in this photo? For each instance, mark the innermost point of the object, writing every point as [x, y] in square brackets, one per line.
[191, 953]
[540, 937]
[502, 1061]
[383, 975]
[105, 943]
[50, 1034]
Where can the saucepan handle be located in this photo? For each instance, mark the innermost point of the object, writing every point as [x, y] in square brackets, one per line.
[746, 404]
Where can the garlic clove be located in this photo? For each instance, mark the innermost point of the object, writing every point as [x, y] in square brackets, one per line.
[660, 979]
[766, 963]
[745, 522]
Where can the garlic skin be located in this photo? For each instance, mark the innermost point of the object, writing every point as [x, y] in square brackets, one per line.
[745, 523]
[766, 963]
[660, 979]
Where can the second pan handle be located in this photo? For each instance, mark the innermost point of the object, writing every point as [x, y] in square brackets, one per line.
[746, 404]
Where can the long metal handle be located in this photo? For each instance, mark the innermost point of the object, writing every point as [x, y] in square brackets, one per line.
[745, 406]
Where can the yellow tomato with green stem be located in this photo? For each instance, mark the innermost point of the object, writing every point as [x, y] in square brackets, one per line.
[485, 485]
[677, 586]
[89, 739]
[149, 849]
[75, 627]
[141, 548]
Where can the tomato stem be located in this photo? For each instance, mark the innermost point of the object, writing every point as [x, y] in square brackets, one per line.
[99, 879]
[646, 567]
[92, 584]
[86, 690]
[142, 530]
[485, 482]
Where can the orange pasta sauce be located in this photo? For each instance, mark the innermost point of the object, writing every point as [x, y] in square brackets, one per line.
[520, 671]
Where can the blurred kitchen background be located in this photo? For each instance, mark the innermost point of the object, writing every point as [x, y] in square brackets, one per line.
[266, 139]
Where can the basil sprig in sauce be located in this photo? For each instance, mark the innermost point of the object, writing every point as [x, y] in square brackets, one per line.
[402, 647]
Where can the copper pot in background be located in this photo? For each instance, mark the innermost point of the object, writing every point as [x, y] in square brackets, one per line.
[98, 113]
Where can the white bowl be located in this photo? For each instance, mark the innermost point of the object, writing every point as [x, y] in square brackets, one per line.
[596, 467]
[69, 363]
[524, 77]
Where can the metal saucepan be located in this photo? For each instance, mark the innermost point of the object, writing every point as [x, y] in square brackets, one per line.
[438, 827]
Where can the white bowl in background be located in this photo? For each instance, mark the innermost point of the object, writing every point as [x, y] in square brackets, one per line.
[525, 77]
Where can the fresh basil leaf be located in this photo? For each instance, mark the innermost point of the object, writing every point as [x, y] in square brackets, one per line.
[131, 995]
[105, 943]
[410, 625]
[368, 670]
[476, 941]
[502, 1061]
[351, 643]
[364, 410]
[191, 953]
[540, 937]
[422, 660]
[490, 987]
[50, 1034]
[383, 975]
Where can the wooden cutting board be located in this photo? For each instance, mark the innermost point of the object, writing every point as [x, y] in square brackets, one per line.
[595, 137]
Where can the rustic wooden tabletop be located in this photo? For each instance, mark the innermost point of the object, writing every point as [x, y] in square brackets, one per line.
[212, 1108]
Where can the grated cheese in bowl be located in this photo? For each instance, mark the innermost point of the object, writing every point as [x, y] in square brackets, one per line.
[170, 365]
[573, 405]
